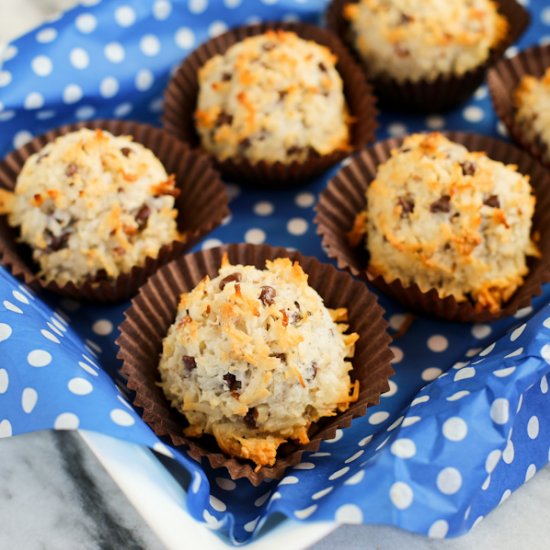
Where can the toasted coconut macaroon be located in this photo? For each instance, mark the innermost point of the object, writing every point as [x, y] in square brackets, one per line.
[443, 217]
[532, 104]
[424, 39]
[273, 97]
[254, 358]
[92, 206]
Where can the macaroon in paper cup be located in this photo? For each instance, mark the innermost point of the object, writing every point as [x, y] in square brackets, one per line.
[344, 198]
[202, 204]
[446, 91]
[153, 311]
[181, 95]
[503, 80]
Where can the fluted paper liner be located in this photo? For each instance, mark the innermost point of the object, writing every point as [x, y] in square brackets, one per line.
[201, 206]
[446, 91]
[180, 101]
[344, 198]
[504, 78]
[154, 309]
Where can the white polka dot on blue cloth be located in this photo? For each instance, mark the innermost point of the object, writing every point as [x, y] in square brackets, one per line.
[533, 427]
[162, 9]
[86, 23]
[42, 65]
[122, 110]
[5, 428]
[114, 52]
[46, 35]
[438, 343]
[122, 418]
[349, 513]
[125, 16]
[500, 410]
[150, 45]
[185, 38]
[455, 429]
[85, 112]
[66, 421]
[438, 529]
[79, 58]
[197, 6]
[401, 495]
[29, 399]
[109, 87]
[80, 386]
[449, 481]
[39, 358]
[216, 28]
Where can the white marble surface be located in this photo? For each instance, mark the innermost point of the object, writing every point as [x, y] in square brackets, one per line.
[55, 495]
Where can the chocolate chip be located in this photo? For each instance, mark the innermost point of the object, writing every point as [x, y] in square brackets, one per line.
[314, 367]
[250, 417]
[126, 151]
[71, 169]
[294, 150]
[267, 295]
[280, 356]
[244, 144]
[189, 363]
[226, 77]
[405, 18]
[224, 119]
[101, 275]
[233, 278]
[295, 318]
[323, 67]
[407, 206]
[468, 168]
[282, 94]
[443, 204]
[232, 382]
[57, 242]
[143, 215]
[492, 201]
[401, 51]
[297, 304]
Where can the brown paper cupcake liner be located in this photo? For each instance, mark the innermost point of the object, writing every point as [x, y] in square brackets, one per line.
[444, 92]
[201, 206]
[504, 78]
[180, 101]
[153, 310]
[344, 198]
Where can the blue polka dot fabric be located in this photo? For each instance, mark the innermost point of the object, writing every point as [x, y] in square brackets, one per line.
[467, 418]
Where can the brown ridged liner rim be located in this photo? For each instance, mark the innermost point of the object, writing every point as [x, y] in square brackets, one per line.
[180, 100]
[504, 78]
[154, 309]
[444, 92]
[344, 198]
[201, 206]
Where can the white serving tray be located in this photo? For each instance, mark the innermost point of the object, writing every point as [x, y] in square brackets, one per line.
[162, 502]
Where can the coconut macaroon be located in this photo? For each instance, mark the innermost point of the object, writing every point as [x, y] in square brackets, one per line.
[254, 358]
[273, 97]
[443, 217]
[532, 104]
[92, 206]
[416, 40]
